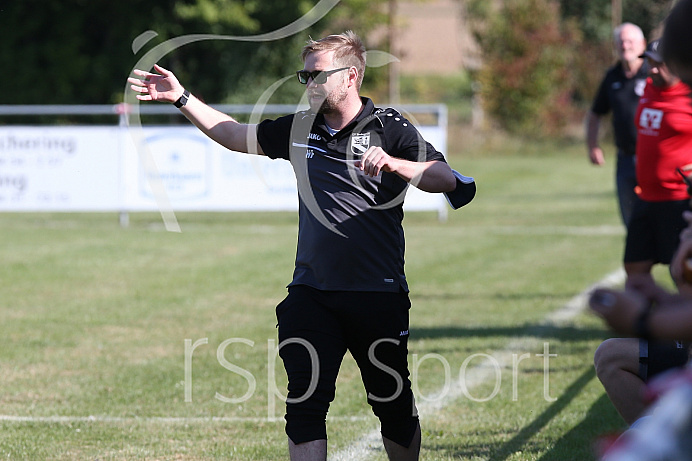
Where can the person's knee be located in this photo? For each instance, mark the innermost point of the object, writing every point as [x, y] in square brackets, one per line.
[399, 430]
[606, 357]
[398, 418]
[306, 428]
[306, 410]
[615, 354]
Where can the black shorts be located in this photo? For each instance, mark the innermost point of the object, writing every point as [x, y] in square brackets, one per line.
[316, 328]
[655, 357]
[653, 233]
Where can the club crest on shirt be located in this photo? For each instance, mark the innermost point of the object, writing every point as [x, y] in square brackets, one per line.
[650, 121]
[360, 142]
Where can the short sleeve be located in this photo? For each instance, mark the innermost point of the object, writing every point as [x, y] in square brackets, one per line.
[601, 103]
[274, 136]
[405, 141]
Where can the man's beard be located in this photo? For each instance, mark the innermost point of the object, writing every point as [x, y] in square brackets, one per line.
[331, 102]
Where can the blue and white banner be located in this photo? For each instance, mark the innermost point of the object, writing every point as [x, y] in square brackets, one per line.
[114, 168]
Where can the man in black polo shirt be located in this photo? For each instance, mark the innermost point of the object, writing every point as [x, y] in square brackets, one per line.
[353, 163]
[619, 93]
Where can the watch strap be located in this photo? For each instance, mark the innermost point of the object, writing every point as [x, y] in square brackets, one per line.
[182, 100]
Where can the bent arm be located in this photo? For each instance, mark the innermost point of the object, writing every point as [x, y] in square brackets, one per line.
[621, 310]
[430, 176]
[433, 176]
[673, 323]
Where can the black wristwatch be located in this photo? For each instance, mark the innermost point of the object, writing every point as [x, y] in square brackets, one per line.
[182, 100]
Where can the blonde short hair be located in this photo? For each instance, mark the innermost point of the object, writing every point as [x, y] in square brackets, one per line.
[348, 51]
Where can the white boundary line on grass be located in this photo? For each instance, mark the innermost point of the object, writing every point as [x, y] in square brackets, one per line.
[158, 419]
[371, 442]
[554, 230]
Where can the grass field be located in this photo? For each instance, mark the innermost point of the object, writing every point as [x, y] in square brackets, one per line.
[99, 322]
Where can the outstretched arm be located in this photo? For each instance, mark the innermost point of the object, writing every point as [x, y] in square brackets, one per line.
[163, 86]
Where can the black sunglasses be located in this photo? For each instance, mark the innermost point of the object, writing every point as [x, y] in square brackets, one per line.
[317, 76]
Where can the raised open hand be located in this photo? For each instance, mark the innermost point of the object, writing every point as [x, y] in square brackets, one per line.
[163, 86]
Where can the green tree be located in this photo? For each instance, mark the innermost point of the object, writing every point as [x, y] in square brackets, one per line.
[576, 38]
[80, 51]
[70, 51]
[237, 71]
[595, 52]
[525, 80]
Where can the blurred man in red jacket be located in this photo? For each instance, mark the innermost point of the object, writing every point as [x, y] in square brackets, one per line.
[664, 146]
